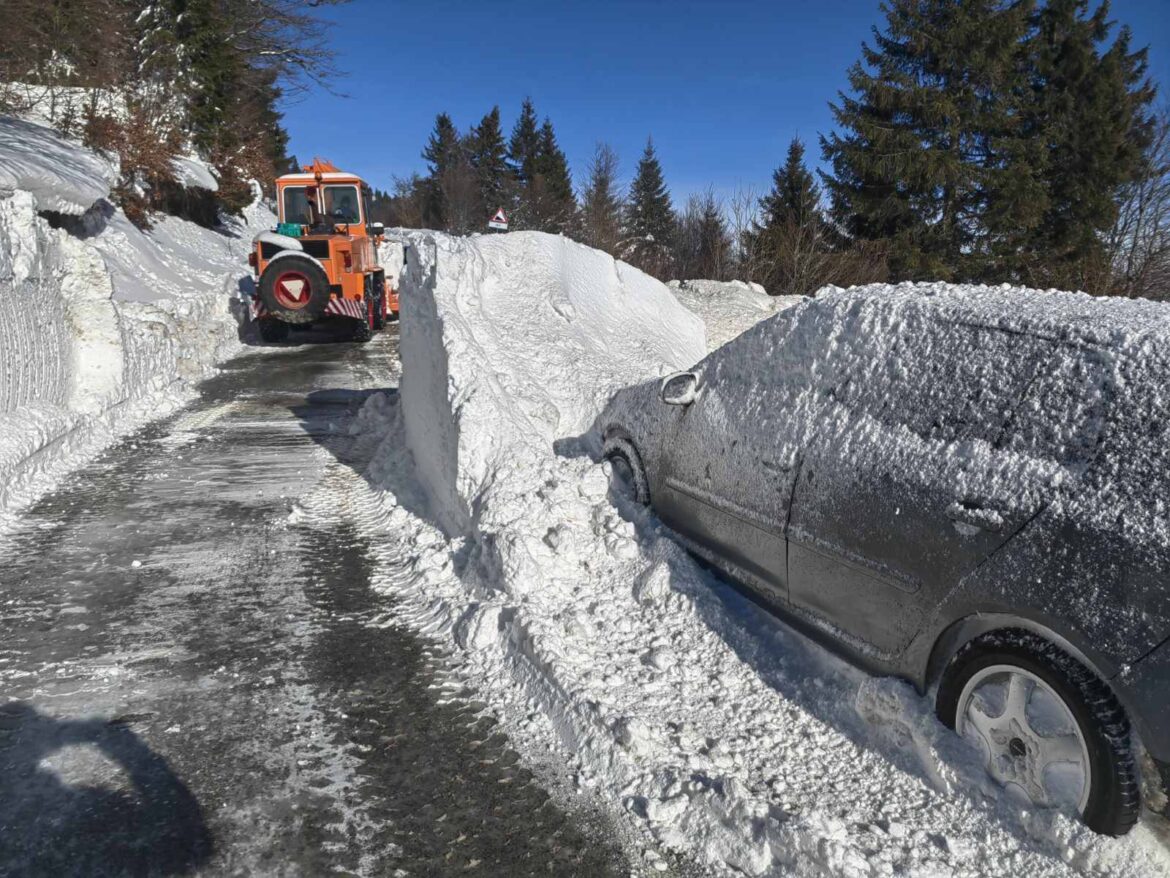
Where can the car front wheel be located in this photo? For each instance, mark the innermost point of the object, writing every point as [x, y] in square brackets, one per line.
[1050, 730]
[627, 476]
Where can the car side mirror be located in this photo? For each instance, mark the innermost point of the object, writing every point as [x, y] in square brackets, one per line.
[679, 388]
[378, 228]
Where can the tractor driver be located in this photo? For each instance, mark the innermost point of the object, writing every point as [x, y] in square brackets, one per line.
[344, 207]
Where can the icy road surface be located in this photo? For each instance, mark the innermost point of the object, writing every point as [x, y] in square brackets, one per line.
[195, 674]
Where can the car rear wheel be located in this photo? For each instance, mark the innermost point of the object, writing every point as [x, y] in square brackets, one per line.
[627, 477]
[1050, 730]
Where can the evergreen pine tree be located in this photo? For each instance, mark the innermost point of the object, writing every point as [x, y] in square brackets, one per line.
[523, 148]
[791, 238]
[488, 156]
[601, 202]
[795, 195]
[928, 133]
[1089, 111]
[552, 201]
[650, 220]
[442, 155]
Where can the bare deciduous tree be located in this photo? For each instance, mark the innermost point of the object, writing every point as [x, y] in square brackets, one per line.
[1139, 244]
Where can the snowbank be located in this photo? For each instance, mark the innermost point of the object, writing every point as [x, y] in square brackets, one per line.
[59, 175]
[101, 325]
[729, 308]
[475, 311]
[713, 728]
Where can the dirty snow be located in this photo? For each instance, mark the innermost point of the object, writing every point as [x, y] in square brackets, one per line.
[101, 325]
[714, 729]
[728, 308]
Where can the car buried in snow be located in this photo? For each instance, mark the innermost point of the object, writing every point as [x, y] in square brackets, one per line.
[962, 486]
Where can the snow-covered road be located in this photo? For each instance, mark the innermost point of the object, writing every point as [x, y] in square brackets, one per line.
[195, 672]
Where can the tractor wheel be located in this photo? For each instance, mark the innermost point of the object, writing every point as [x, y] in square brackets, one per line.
[378, 285]
[363, 330]
[273, 330]
[295, 288]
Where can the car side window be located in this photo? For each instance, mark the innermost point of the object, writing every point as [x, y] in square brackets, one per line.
[1065, 411]
[753, 368]
[944, 380]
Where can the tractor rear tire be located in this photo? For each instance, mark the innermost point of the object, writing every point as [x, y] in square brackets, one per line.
[295, 288]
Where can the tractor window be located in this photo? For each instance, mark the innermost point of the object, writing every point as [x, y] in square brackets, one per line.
[296, 205]
[341, 204]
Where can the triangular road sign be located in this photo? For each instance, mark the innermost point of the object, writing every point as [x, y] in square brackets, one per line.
[499, 221]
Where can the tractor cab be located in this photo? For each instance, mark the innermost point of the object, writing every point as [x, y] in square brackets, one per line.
[323, 200]
[321, 260]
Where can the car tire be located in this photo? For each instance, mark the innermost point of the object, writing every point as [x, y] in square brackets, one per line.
[1110, 790]
[295, 288]
[273, 330]
[627, 474]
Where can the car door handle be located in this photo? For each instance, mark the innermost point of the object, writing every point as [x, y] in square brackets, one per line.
[976, 515]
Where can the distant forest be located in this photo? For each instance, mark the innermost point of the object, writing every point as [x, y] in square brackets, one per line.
[980, 140]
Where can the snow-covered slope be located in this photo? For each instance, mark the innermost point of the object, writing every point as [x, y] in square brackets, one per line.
[728, 308]
[101, 325]
[605, 649]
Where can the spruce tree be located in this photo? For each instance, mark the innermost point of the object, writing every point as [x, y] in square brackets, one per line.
[488, 154]
[927, 132]
[601, 202]
[650, 220]
[1089, 111]
[791, 239]
[552, 200]
[795, 195]
[523, 148]
[442, 155]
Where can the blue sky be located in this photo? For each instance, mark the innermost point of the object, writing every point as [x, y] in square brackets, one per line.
[721, 86]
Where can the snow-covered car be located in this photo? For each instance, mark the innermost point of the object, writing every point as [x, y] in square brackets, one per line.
[965, 487]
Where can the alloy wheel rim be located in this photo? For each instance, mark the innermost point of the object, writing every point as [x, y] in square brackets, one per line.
[1030, 737]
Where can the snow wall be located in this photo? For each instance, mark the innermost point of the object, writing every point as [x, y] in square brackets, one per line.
[475, 311]
[102, 326]
[704, 725]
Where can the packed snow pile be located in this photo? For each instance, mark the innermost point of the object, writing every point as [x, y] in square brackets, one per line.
[715, 730]
[729, 308]
[101, 324]
[474, 401]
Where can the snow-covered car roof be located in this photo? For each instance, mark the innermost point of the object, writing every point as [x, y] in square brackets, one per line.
[1115, 322]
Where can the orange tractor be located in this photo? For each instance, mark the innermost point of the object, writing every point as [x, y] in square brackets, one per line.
[322, 260]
